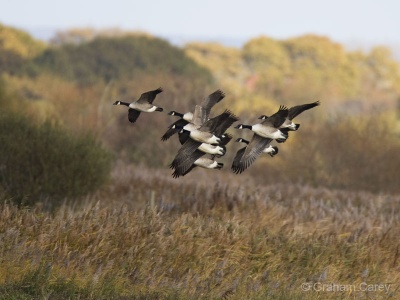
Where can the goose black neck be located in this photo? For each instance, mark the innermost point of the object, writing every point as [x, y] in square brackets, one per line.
[124, 103]
[178, 114]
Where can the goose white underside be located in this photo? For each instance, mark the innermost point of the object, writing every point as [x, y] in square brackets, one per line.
[210, 149]
[191, 127]
[201, 136]
[188, 116]
[143, 108]
[267, 132]
[206, 163]
[291, 126]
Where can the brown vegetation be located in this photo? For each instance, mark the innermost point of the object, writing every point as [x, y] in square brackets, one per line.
[323, 210]
[147, 236]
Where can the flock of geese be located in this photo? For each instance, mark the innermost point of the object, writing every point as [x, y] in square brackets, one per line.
[203, 138]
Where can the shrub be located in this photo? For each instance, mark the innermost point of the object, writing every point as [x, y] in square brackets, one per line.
[45, 161]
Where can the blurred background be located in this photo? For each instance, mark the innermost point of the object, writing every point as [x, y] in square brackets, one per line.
[88, 206]
[63, 64]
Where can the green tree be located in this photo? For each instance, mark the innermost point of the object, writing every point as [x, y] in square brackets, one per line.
[117, 58]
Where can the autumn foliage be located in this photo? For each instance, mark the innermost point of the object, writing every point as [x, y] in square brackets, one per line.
[120, 227]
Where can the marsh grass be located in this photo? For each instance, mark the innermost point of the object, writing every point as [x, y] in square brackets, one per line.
[147, 236]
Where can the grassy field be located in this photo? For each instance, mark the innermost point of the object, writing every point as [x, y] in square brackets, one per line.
[210, 235]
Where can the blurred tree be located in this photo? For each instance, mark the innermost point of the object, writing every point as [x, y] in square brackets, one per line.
[78, 36]
[269, 63]
[321, 68]
[10, 61]
[126, 57]
[19, 42]
[223, 62]
[385, 69]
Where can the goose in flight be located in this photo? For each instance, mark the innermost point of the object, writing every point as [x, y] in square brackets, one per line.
[269, 128]
[294, 112]
[143, 104]
[201, 114]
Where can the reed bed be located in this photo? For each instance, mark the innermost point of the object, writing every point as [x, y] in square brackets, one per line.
[207, 236]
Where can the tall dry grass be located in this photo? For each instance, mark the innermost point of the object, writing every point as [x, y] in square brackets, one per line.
[148, 236]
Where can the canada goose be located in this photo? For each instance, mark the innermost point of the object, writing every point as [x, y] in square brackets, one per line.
[202, 111]
[192, 149]
[294, 112]
[197, 120]
[271, 150]
[217, 125]
[191, 146]
[143, 104]
[203, 162]
[194, 120]
[247, 155]
[269, 128]
[211, 131]
[188, 116]
[200, 136]
[185, 119]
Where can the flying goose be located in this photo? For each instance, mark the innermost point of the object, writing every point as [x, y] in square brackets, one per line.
[247, 155]
[269, 128]
[200, 136]
[197, 119]
[192, 150]
[188, 116]
[203, 162]
[211, 131]
[191, 145]
[191, 121]
[185, 119]
[185, 154]
[216, 126]
[271, 150]
[143, 104]
[294, 112]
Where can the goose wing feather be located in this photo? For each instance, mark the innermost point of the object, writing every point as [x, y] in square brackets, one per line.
[186, 165]
[171, 131]
[199, 116]
[148, 97]
[211, 100]
[278, 118]
[187, 150]
[219, 124]
[298, 109]
[133, 115]
[252, 151]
